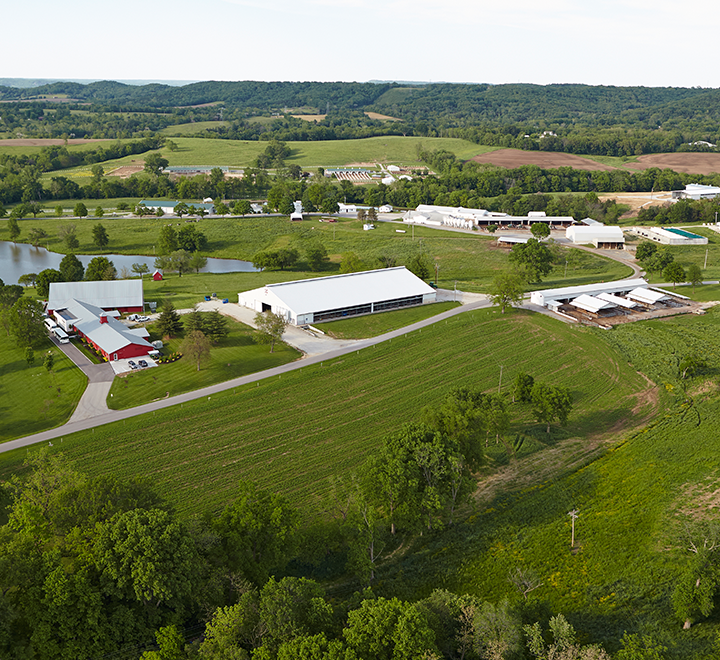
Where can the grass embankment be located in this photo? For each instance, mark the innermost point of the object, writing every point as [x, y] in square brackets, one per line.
[31, 399]
[290, 434]
[632, 503]
[373, 325]
[470, 260]
[234, 356]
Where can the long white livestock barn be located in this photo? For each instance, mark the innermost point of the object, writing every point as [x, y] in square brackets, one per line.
[340, 296]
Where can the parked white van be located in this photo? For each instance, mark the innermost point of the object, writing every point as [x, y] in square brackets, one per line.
[61, 335]
[50, 324]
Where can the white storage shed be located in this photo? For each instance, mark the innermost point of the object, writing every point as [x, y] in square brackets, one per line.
[599, 235]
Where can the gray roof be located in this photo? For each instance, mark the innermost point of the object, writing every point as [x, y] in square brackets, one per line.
[104, 294]
[110, 336]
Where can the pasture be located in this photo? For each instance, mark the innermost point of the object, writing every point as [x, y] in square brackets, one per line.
[289, 434]
[469, 260]
[237, 153]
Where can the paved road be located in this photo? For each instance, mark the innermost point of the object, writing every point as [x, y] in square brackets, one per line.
[100, 377]
[117, 415]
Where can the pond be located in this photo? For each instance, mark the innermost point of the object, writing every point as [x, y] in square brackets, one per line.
[18, 259]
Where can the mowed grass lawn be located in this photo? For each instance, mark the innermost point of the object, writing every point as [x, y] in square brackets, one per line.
[373, 325]
[31, 399]
[469, 259]
[289, 434]
[234, 356]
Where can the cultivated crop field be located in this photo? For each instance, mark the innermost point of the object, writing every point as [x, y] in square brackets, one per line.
[634, 505]
[289, 434]
[512, 158]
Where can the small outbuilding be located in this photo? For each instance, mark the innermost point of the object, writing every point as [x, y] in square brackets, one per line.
[157, 276]
[340, 296]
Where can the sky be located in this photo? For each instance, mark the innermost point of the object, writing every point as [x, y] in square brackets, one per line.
[629, 42]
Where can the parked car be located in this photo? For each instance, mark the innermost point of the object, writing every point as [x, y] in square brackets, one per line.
[143, 364]
[132, 364]
[142, 319]
[132, 317]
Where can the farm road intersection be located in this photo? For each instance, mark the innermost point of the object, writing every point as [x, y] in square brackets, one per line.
[75, 424]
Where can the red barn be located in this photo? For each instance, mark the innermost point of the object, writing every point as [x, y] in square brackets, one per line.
[157, 276]
[111, 338]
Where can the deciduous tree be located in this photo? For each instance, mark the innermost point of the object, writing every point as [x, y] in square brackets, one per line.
[507, 290]
[100, 237]
[100, 268]
[43, 280]
[71, 268]
[270, 328]
[196, 347]
[13, 229]
[26, 322]
[551, 403]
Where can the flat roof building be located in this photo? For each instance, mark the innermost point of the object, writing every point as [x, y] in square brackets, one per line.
[340, 296]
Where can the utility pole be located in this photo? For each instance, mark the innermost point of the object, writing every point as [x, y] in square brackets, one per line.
[573, 514]
[436, 273]
[706, 253]
[565, 269]
[500, 383]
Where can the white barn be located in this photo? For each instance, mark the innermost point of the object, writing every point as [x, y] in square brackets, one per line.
[599, 235]
[340, 296]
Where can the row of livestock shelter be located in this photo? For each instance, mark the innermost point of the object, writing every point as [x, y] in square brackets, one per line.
[604, 300]
[320, 299]
[458, 216]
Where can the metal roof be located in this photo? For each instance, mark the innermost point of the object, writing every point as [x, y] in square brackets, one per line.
[348, 290]
[106, 294]
[110, 336]
[646, 296]
[617, 300]
[591, 303]
[568, 292]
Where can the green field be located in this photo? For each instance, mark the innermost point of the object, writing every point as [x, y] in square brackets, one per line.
[390, 149]
[292, 432]
[33, 400]
[191, 129]
[373, 325]
[633, 503]
[470, 260]
[234, 356]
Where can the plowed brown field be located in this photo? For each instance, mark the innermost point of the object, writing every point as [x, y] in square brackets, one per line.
[689, 163]
[512, 158]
